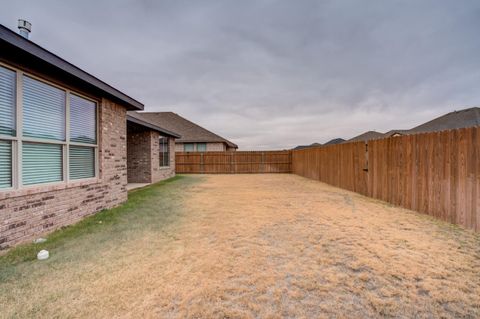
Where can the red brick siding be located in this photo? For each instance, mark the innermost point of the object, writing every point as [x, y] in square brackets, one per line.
[28, 213]
[143, 157]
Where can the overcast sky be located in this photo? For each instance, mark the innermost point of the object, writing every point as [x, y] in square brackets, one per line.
[273, 74]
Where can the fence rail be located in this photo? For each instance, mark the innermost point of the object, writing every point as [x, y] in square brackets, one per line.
[233, 162]
[433, 173]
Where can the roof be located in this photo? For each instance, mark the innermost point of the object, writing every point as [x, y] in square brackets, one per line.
[30, 53]
[335, 141]
[393, 132]
[139, 119]
[370, 135]
[189, 131]
[301, 147]
[456, 119]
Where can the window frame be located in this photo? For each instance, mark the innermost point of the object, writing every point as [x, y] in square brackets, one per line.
[18, 139]
[167, 152]
[193, 147]
[196, 147]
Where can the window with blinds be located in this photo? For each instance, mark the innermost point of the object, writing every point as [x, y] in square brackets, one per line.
[56, 137]
[83, 120]
[164, 152]
[201, 147]
[82, 162]
[43, 110]
[188, 147]
[7, 101]
[5, 164]
[42, 163]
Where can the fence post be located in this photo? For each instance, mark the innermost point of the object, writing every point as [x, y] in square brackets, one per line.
[263, 163]
[202, 164]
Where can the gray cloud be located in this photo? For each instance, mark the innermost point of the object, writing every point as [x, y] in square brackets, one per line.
[273, 74]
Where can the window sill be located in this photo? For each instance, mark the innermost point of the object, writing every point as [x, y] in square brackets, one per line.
[44, 188]
[164, 167]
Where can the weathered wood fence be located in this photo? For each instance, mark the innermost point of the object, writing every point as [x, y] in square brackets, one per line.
[434, 173]
[233, 162]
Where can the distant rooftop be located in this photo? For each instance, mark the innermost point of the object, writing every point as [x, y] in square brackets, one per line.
[335, 141]
[456, 119]
[370, 135]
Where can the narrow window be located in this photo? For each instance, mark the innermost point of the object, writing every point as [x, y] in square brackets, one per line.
[164, 152]
[7, 102]
[5, 164]
[83, 120]
[188, 147]
[201, 147]
[7, 124]
[83, 130]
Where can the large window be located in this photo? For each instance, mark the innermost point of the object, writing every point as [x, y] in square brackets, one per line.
[164, 152]
[47, 134]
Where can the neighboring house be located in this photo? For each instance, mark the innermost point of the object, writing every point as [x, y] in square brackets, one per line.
[302, 147]
[63, 141]
[453, 120]
[370, 135]
[335, 141]
[194, 138]
[150, 150]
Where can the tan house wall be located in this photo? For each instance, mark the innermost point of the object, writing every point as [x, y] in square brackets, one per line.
[33, 211]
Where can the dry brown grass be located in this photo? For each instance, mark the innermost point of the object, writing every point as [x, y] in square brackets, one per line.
[260, 246]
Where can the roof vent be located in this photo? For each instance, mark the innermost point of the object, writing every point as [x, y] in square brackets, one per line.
[24, 28]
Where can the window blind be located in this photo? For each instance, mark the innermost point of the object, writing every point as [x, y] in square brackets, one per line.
[41, 163]
[7, 101]
[82, 162]
[188, 147]
[201, 147]
[43, 110]
[5, 164]
[83, 120]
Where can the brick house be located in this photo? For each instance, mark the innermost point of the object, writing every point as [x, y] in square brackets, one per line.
[194, 138]
[150, 150]
[63, 141]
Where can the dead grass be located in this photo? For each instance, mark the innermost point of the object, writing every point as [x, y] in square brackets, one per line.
[254, 246]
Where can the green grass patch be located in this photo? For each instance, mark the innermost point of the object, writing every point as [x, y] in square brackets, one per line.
[137, 203]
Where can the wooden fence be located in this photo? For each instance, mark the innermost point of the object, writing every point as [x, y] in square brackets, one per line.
[233, 162]
[434, 173]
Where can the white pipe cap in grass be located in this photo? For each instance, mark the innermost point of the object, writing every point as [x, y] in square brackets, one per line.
[43, 254]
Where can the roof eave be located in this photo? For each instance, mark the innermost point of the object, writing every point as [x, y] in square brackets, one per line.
[159, 129]
[33, 49]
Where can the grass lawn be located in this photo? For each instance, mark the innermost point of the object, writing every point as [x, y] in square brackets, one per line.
[247, 246]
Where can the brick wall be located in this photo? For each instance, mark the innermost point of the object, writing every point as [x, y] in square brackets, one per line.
[143, 156]
[30, 212]
[139, 159]
[161, 173]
